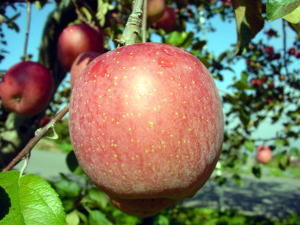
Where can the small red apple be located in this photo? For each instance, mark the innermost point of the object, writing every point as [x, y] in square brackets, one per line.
[80, 63]
[292, 51]
[155, 10]
[226, 3]
[263, 154]
[256, 82]
[276, 56]
[26, 88]
[76, 39]
[146, 124]
[168, 21]
[269, 50]
[271, 33]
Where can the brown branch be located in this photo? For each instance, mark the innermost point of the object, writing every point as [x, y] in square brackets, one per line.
[41, 132]
[28, 20]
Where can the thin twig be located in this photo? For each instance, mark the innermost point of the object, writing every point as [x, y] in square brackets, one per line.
[144, 25]
[41, 132]
[26, 160]
[284, 47]
[25, 57]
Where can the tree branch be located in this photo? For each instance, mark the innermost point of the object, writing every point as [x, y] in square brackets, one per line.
[133, 25]
[39, 134]
[28, 19]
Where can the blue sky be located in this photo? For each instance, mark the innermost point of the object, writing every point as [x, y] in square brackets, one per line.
[223, 38]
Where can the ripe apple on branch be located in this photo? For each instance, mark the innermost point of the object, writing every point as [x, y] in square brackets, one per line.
[146, 124]
[155, 10]
[26, 88]
[263, 154]
[76, 39]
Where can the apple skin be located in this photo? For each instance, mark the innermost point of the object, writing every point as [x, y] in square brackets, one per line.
[155, 10]
[76, 39]
[143, 207]
[168, 21]
[80, 63]
[26, 88]
[146, 124]
[263, 154]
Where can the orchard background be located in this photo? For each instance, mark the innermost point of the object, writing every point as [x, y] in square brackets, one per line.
[256, 68]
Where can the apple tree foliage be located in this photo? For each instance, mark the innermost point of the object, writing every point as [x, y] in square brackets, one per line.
[266, 91]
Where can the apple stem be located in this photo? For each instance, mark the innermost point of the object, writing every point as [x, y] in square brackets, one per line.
[144, 25]
[28, 19]
[133, 25]
[41, 132]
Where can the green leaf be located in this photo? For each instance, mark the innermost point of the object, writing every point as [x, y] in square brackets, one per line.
[32, 200]
[244, 116]
[280, 8]
[248, 19]
[86, 13]
[73, 218]
[99, 197]
[103, 8]
[256, 170]
[220, 180]
[294, 152]
[296, 28]
[284, 162]
[280, 142]
[162, 220]
[38, 5]
[249, 145]
[180, 39]
[294, 16]
[237, 179]
[67, 188]
[72, 163]
[96, 217]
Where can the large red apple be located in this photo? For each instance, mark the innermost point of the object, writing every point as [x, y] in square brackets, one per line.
[147, 126]
[263, 154]
[26, 88]
[155, 10]
[80, 63]
[168, 21]
[76, 39]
